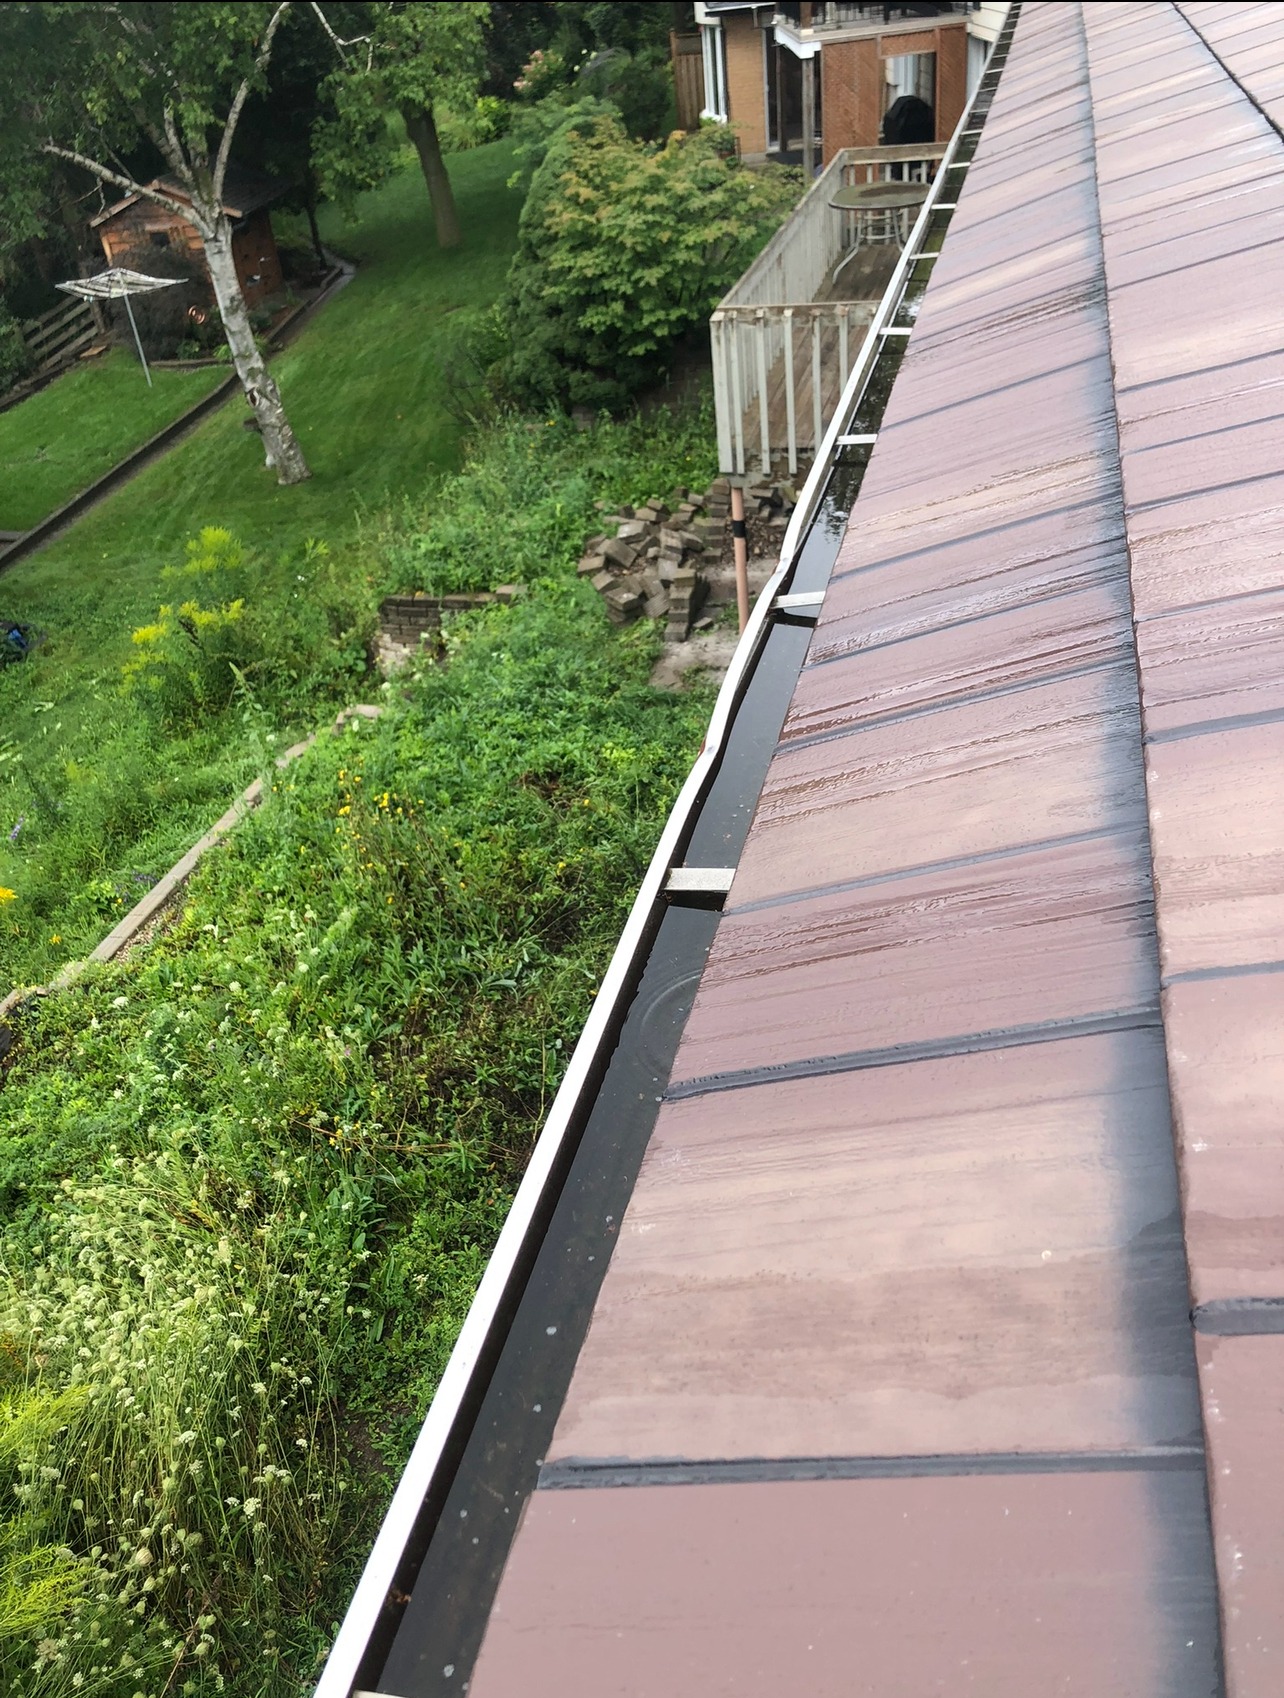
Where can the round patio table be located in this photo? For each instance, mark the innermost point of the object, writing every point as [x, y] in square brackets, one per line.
[895, 199]
[881, 197]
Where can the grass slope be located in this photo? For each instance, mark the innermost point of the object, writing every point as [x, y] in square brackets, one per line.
[250, 1175]
[56, 444]
[366, 390]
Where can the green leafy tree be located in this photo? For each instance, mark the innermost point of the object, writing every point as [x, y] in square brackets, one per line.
[409, 56]
[285, 118]
[89, 83]
[623, 248]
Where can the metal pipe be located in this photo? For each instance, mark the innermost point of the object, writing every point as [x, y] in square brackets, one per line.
[138, 341]
[740, 547]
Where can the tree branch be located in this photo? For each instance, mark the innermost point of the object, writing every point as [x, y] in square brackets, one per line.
[241, 96]
[129, 184]
[172, 146]
[338, 42]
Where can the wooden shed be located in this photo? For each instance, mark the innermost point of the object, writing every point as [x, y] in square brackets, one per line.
[136, 223]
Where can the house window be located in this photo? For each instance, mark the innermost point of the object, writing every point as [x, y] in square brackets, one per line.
[158, 238]
[715, 72]
[910, 73]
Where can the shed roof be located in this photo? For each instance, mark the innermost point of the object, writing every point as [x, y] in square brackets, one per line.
[244, 192]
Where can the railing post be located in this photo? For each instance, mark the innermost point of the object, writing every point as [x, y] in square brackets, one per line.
[722, 401]
[791, 420]
[764, 398]
[816, 407]
[737, 395]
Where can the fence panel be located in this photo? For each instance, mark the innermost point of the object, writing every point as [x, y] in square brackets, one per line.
[686, 52]
[59, 334]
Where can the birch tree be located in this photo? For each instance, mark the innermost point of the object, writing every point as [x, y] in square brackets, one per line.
[128, 89]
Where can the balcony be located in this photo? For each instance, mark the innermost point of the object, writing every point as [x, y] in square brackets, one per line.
[785, 336]
[825, 15]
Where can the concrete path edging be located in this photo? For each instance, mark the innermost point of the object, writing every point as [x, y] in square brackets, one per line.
[163, 892]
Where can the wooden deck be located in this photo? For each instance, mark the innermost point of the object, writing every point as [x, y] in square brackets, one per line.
[787, 317]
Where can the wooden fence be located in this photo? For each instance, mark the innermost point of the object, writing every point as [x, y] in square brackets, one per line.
[781, 349]
[59, 335]
[686, 52]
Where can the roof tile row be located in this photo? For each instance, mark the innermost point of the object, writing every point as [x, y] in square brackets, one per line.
[1196, 315]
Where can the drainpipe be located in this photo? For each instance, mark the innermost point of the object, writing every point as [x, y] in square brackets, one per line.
[740, 548]
[808, 121]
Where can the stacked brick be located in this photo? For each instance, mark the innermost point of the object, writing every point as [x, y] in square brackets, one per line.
[407, 621]
[658, 562]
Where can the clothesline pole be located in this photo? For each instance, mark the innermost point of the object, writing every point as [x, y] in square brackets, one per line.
[138, 341]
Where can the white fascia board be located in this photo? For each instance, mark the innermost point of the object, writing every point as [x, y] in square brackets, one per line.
[800, 49]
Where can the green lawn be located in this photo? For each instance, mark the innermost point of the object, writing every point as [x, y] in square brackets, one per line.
[58, 442]
[365, 388]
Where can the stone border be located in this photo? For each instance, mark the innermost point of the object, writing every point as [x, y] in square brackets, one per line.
[41, 532]
[163, 892]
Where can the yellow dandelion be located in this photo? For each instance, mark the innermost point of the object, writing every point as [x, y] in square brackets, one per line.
[7, 895]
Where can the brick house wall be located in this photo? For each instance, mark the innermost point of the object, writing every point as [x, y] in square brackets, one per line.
[852, 83]
[950, 47]
[132, 230]
[254, 250]
[746, 87]
[951, 81]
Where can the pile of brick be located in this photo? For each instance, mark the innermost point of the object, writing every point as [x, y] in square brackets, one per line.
[647, 564]
[662, 561]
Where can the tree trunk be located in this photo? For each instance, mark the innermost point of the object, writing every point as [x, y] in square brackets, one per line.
[314, 227]
[279, 445]
[423, 132]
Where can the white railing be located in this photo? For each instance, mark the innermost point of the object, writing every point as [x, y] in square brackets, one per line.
[781, 355]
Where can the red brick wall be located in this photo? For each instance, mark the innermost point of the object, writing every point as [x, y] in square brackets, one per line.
[129, 232]
[919, 41]
[253, 247]
[746, 98]
[950, 48]
[951, 80]
[851, 74]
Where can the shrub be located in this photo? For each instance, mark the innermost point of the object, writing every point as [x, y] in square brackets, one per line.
[486, 120]
[253, 1173]
[15, 360]
[228, 632]
[522, 505]
[638, 85]
[622, 248]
